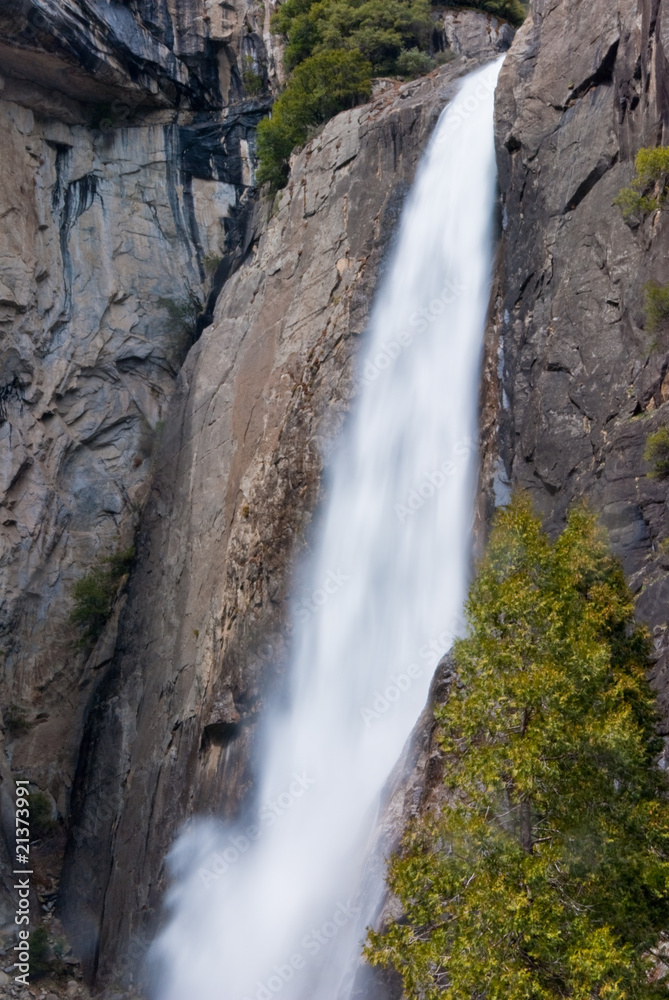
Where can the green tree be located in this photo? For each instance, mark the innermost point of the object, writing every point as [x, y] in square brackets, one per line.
[514, 11]
[648, 190]
[342, 44]
[95, 593]
[546, 875]
[378, 29]
[319, 88]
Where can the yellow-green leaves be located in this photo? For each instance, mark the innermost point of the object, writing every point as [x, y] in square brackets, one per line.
[378, 29]
[656, 453]
[649, 188]
[320, 87]
[546, 876]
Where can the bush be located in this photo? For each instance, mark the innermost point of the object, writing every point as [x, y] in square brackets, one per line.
[657, 453]
[652, 165]
[211, 262]
[513, 11]
[95, 593]
[413, 63]
[648, 190]
[15, 720]
[634, 205]
[378, 29]
[39, 952]
[42, 822]
[319, 88]
[545, 876]
[656, 303]
[253, 81]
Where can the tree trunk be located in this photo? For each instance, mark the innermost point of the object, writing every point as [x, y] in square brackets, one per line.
[526, 826]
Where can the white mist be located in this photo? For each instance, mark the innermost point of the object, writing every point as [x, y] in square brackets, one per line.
[271, 913]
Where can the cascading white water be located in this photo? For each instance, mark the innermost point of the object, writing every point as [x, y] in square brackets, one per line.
[269, 911]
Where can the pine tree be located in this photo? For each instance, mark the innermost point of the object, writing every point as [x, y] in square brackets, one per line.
[546, 875]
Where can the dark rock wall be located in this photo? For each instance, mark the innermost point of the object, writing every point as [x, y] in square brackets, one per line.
[151, 53]
[575, 381]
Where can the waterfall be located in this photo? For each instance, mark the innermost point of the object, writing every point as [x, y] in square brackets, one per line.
[270, 910]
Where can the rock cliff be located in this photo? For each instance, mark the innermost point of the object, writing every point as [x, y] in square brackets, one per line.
[127, 204]
[125, 201]
[204, 636]
[576, 380]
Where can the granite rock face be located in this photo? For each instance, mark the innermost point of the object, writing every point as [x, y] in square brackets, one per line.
[101, 282]
[462, 34]
[119, 221]
[204, 636]
[576, 380]
[148, 53]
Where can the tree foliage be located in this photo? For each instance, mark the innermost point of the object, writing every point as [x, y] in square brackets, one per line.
[319, 88]
[648, 190]
[656, 305]
[514, 11]
[657, 453]
[378, 29]
[333, 49]
[94, 594]
[546, 875]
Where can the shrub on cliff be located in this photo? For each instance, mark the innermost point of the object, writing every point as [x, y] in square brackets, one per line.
[546, 875]
[656, 304]
[648, 190]
[42, 823]
[657, 453]
[378, 29]
[39, 952]
[319, 88]
[513, 11]
[95, 593]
